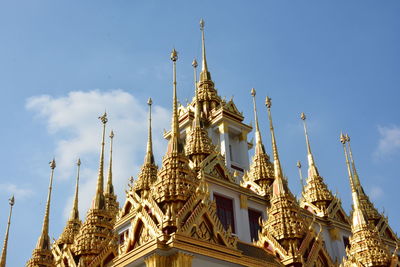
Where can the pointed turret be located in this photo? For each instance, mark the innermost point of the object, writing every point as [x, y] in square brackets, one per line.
[208, 96]
[366, 205]
[3, 258]
[96, 232]
[148, 172]
[366, 246]
[176, 181]
[316, 191]
[98, 201]
[73, 223]
[284, 222]
[110, 198]
[261, 169]
[198, 144]
[41, 255]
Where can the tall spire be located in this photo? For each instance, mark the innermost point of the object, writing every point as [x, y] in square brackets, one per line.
[4, 251]
[277, 163]
[205, 74]
[198, 143]
[148, 173]
[110, 187]
[71, 229]
[174, 145]
[149, 158]
[358, 216]
[357, 182]
[259, 145]
[75, 211]
[44, 240]
[98, 201]
[312, 169]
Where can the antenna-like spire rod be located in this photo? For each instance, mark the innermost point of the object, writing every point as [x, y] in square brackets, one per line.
[312, 169]
[301, 175]
[98, 202]
[257, 133]
[277, 163]
[3, 258]
[44, 240]
[358, 216]
[149, 153]
[357, 182]
[196, 122]
[75, 210]
[203, 47]
[110, 187]
[173, 146]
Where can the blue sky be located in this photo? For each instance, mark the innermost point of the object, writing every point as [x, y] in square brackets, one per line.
[63, 62]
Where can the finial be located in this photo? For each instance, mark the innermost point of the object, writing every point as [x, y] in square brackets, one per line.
[149, 158]
[110, 187]
[300, 174]
[173, 145]
[75, 211]
[194, 63]
[196, 122]
[3, 258]
[98, 202]
[357, 182]
[259, 146]
[277, 163]
[312, 169]
[44, 240]
[204, 68]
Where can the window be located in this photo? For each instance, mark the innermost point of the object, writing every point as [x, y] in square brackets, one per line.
[230, 153]
[225, 211]
[254, 225]
[346, 242]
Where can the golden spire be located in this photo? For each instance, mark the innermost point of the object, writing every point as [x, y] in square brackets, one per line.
[73, 224]
[110, 187]
[44, 240]
[75, 210]
[205, 74]
[261, 169]
[148, 173]
[366, 246]
[198, 144]
[174, 145]
[277, 163]
[298, 164]
[98, 201]
[357, 183]
[149, 158]
[312, 169]
[358, 216]
[3, 258]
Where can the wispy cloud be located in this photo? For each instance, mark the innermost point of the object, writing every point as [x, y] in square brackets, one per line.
[376, 192]
[72, 120]
[389, 141]
[20, 192]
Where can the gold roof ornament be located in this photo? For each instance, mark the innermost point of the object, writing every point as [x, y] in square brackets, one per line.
[110, 198]
[198, 143]
[42, 255]
[96, 232]
[148, 172]
[315, 192]
[73, 223]
[3, 258]
[176, 180]
[366, 246]
[208, 96]
[261, 169]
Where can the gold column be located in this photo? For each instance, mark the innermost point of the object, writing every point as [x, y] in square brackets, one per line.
[178, 259]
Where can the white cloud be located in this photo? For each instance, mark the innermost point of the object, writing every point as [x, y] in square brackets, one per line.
[72, 120]
[389, 141]
[376, 192]
[18, 191]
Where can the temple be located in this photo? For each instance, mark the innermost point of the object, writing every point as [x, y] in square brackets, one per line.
[210, 204]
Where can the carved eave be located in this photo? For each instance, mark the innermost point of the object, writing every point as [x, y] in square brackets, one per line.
[214, 165]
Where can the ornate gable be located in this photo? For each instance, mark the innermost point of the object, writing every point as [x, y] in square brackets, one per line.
[214, 165]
